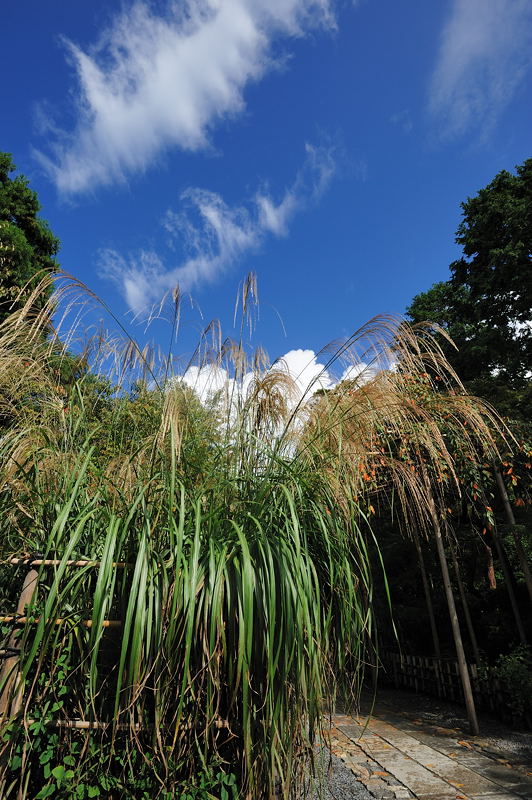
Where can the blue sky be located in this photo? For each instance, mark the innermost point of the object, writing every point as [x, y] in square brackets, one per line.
[325, 145]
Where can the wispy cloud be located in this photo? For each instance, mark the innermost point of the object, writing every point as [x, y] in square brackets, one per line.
[485, 53]
[155, 81]
[214, 235]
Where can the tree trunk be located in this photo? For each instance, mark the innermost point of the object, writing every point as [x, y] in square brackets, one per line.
[490, 574]
[515, 533]
[457, 635]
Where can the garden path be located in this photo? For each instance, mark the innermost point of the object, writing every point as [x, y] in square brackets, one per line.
[409, 753]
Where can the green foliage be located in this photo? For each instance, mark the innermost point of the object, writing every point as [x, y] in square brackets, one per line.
[66, 764]
[211, 785]
[486, 305]
[224, 615]
[514, 671]
[27, 246]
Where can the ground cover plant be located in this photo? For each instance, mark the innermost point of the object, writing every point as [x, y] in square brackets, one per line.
[225, 591]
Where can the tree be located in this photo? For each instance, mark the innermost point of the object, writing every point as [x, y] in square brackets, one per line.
[27, 246]
[486, 305]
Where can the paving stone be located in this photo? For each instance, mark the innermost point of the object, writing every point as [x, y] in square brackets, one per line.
[431, 762]
[503, 775]
[493, 797]
[438, 796]
[458, 775]
[350, 729]
[445, 745]
[359, 771]
[522, 789]
[475, 761]
[376, 783]
[420, 780]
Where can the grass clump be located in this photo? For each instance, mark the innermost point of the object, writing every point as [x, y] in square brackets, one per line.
[229, 536]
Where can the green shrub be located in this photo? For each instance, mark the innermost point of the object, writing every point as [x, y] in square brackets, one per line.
[514, 671]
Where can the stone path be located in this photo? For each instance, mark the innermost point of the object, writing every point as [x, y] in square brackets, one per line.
[395, 755]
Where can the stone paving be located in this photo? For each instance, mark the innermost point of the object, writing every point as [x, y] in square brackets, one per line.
[397, 757]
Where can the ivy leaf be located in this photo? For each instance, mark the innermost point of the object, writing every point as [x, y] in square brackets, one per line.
[16, 763]
[59, 773]
[46, 791]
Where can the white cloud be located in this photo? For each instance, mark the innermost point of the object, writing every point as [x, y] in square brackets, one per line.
[485, 53]
[215, 235]
[210, 379]
[360, 372]
[302, 366]
[308, 374]
[306, 371]
[156, 81]
[312, 180]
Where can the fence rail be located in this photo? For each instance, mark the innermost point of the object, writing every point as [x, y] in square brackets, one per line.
[441, 677]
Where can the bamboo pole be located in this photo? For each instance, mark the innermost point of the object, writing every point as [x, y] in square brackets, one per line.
[457, 635]
[490, 569]
[87, 725]
[428, 597]
[51, 562]
[87, 623]
[465, 606]
[515, 533]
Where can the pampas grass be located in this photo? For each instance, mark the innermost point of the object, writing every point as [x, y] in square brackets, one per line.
[243, 522]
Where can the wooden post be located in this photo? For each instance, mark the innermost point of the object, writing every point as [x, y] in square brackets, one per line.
[11, 693]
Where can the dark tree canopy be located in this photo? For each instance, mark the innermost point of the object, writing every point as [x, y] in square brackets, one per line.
[486, 305]
[27, 246]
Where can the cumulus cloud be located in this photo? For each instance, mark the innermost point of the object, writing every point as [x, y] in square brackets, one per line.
[214, 235]
[302, 366]
[485, 53]
[310, 374]
[210, 380]
[157, 80]
[307, 372]
[360, 372]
